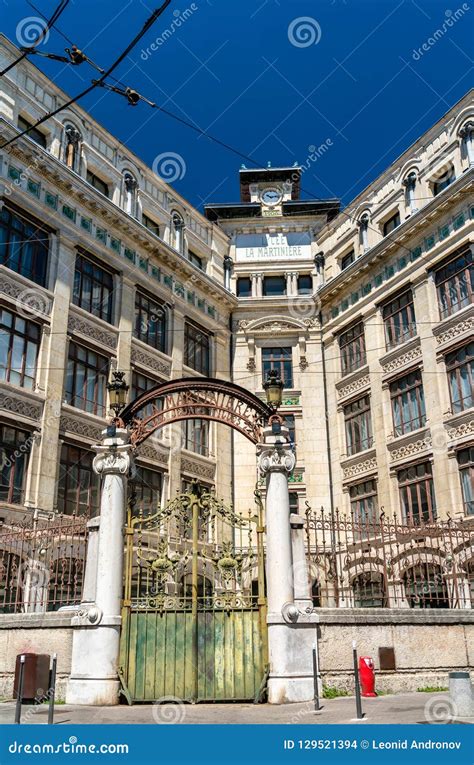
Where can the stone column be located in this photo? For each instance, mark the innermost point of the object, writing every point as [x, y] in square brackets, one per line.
[467, 135]
[301, 580]
[96, 638]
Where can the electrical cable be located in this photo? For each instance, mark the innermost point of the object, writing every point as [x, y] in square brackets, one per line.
[31, 49]
[148, 24]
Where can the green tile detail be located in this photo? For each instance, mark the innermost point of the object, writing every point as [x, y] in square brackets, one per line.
[143, 264]
[129, 254]
[354, 297]
[415, 253]
[201, 304]
[472, 212]
[334, 312]
[295, 478]
[401, 262]
[367, 288]
[291, 401]
[51, 200]
[211, 311]
[101, 235]
[191, 297]
[430, 242]
[443, 232]
[459, 221]
[33, 187]
[115, 244]
[168, 281]
[344, 305]
[378, 279]
[156, 273]
[69, 212]
[86, 224]
[389, 271]
[14, 173]
[179, 289]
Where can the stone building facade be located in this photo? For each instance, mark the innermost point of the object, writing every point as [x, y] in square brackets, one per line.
[367, 313]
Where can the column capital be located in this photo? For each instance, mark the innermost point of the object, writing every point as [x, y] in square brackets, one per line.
[276, 456]
[114, 455]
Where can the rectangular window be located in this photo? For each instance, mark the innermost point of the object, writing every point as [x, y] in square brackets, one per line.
[150, 225]
[196, 436]
[15, 446]
[417, 494]
[97, 183]
[24, 246]
[460, 369]
[141, 384]
[391, 223]
[36, 135]
[244, 287]
[93, 288]
[347, 260]
[195, 260]
[150, 322]
[274, 286]
[455, 283]
[197, 348]
[399, 319]
[147, 486]
[289, 422]
[19, 344]
[466, 472]
[364, 504]
[280, 359]
[294, 502]
[352, 346]
[78, 485]
[305, 284]
[86, 379]
[358, 425]
[408, 403]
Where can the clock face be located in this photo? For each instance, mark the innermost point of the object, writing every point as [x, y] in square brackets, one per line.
[271, 196]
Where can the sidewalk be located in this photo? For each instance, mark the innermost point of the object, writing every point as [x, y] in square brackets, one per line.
[421, 708]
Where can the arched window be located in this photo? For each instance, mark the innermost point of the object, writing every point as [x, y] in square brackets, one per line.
[425, 586]
[409, 182]
[177, 231]
[72, 147]
[369, 590]
[442, 178]
[130, 194]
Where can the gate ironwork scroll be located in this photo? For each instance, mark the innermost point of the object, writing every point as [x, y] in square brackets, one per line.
[194, 610]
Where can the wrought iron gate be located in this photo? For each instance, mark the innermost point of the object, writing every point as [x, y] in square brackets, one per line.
[194, 610]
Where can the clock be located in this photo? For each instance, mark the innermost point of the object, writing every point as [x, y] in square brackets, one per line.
[271, 196]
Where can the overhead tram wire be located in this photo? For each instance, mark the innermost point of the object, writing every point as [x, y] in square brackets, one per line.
[96, 83]
[31, 49]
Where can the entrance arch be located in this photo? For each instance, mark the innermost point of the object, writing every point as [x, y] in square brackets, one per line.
[204, 398]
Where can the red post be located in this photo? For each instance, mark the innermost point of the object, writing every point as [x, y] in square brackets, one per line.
[367, 676]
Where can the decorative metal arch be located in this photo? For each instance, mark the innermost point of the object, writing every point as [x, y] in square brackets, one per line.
[205, 398]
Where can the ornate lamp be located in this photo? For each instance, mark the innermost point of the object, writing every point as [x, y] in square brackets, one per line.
[118, 392]
[273, 387]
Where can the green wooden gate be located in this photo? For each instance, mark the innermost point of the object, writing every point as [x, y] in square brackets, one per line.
[194, 611]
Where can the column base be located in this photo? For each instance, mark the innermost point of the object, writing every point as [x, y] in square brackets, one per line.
[290, 690]
[291, 660]
[93, 692]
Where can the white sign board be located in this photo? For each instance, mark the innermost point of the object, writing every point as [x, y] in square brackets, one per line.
[272, 246]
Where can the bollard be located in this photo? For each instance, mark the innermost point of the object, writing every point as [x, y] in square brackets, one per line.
[317, 705]
[460, 690]
[359, 712]
[19, 691]
[52, 690]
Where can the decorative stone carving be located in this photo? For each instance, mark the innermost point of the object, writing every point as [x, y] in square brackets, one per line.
[408, 450]
[147, 451]
[91, 330]
[114, 460]
[276, 458]
[80, 427]
[35, 301]
[200, 469]
[303, 363]
[251, 365]
[148, 360]
[360, 467]
[20, 406]
[413, 355]
[354, 386]
[466, 429]
[456, 330]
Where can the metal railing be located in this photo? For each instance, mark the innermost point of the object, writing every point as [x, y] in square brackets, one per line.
[382, 563]
[42, 564]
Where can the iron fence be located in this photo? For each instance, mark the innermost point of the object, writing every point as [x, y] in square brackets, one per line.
[382, 563]
[42, 564]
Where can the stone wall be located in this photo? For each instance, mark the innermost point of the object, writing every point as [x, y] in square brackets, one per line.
[428, 645]
[34, 633]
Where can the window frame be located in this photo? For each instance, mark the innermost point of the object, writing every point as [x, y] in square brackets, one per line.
[100, 379]
[454, 367]
[267, 279]
[390, 224]
[147, 481]
[106, 275]
[282, 363]
[36, 135]
[26, 340]
[399, 319]
[449, 284]
[348, 341]
[416, 482]
[197, 438]
[357, 415]
[82, 461]
[303, 290]
[347, 260]
[466, 476]
[364, 503]
[15, 225]
[241, 279]
[402, 397]
[147, 307]
[98, 183]
[18, 459]
[200, 340]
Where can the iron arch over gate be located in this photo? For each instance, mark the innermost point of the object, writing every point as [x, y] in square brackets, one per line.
[181, 637]
[196, 397]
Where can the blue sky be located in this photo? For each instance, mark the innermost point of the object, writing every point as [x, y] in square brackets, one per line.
[272, 78]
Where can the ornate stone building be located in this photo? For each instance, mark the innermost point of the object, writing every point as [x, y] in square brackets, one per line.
[366, 313]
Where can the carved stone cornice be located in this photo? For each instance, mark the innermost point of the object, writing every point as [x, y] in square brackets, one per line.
[80, 427]
[271, 325]
[410, 449]
[452, 332]
[31, 301]
[88, 328]
[398, 360]
[462, 430]
[366, 466]
[17, 404]
[353, 383]
[197, 468]
[149, 360]
[149, 452]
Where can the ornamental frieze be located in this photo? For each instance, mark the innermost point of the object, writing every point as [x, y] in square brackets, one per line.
[458, 329]
[20, 406]
[466, 429]
[198, 468]
[149, 452]
[360, 467]
[31, 301]
[150, 361]
[354, 386]
[408, 450]
[90, 330]
[400, 361]
[80, 428]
